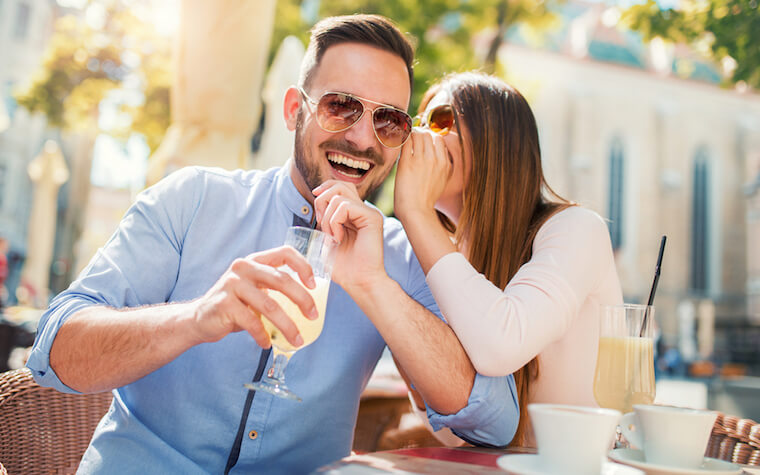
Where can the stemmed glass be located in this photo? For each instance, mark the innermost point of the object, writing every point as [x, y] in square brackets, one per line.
[319, 249]
[625, 363]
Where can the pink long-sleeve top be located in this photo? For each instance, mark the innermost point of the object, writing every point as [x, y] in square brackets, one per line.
[550, 308]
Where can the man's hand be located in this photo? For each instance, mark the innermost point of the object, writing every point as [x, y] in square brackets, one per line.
[424, 346]
[239, 299]
[359, 230]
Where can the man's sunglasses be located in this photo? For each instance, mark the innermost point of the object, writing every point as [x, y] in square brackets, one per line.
[338, 111]
[440, 119]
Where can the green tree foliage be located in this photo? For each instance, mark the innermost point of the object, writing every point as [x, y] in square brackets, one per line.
[727, 30]
[83, 65]
[450, 35]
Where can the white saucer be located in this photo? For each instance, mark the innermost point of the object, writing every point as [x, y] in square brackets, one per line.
[710, 466]
[530, 464]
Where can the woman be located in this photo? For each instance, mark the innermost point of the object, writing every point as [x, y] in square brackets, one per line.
[518, 272]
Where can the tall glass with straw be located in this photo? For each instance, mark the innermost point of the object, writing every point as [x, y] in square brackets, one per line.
[625, 363]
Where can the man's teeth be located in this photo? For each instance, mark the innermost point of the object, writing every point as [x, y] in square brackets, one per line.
[349, 162]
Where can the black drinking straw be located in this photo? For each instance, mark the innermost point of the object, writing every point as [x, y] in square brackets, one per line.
[654, 285]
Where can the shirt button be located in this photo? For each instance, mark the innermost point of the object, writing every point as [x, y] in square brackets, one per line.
[253, 434]
[305, 210]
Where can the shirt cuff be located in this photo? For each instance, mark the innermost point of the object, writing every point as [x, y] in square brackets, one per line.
[490, 417]
[47, 329]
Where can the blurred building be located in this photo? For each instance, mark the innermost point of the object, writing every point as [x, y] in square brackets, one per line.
[752, 192]
[25, 28]
[644, 135]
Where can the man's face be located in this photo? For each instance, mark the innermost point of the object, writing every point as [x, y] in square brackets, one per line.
[363, 71]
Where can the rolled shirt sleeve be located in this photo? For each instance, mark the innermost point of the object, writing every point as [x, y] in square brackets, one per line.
[490, 417]
[137, 266]
[47, 329]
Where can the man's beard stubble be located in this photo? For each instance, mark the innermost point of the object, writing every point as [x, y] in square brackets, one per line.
[310, 175]
[310, 172]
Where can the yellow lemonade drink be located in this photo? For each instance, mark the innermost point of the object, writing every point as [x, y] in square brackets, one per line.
[624, 373]
[309, 329]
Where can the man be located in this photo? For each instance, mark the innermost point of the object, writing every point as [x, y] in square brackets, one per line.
[158, 314]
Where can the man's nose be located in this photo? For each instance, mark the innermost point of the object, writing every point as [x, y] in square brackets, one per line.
[362, 133]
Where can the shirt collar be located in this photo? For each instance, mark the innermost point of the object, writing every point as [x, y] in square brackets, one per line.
[290, 196]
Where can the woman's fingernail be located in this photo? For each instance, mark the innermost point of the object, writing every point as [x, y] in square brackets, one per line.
[299, 340]
[312, 283]
[313, 314]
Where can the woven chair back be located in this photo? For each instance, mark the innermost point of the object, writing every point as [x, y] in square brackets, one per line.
[736, 440]
[43, 430]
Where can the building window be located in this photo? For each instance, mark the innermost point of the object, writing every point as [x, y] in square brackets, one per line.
[615, 200]
[3, 174]
[6, 95]
[21, 26]
[700, 223]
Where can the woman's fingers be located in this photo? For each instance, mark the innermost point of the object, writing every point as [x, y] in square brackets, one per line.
[442, 157]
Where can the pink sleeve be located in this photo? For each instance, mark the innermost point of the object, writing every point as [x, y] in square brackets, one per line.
[503, 330]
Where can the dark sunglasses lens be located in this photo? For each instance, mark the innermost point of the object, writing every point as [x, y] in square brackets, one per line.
[442, 119]
[337, 112]
[392, 126]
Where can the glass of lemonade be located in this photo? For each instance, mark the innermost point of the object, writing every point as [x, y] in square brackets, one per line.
[319, 249]
[625, 363]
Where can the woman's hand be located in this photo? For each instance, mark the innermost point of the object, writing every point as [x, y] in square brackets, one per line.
[423, 171]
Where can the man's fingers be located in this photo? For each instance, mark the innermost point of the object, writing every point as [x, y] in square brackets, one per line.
[329, 223]
[263, 276]
[262, 303]
[327, 191]
[348, 189]
[343, 213]
[249, 320]
[288, 256]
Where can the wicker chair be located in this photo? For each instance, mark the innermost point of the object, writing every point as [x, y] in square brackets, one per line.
[736, 440]
[43, 430]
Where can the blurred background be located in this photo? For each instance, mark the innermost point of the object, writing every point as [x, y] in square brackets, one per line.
[649, 113]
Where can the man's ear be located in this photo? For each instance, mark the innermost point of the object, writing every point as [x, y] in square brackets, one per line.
[290, 107]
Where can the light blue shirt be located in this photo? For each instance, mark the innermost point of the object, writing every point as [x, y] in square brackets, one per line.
[172, 245]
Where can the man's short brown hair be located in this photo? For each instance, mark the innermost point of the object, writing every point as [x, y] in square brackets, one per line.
[373, 30]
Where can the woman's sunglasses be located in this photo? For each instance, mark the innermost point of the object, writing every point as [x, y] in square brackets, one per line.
[440, 119]
[337, 111]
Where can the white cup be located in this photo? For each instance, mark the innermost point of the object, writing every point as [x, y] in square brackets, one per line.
[572, 439]
[668, 435]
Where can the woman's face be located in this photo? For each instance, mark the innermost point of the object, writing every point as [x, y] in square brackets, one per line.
[450, 201]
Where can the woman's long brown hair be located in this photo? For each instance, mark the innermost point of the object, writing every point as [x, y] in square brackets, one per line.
[506, 199]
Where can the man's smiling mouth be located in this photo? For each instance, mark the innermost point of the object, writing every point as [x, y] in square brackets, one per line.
[347, 166]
